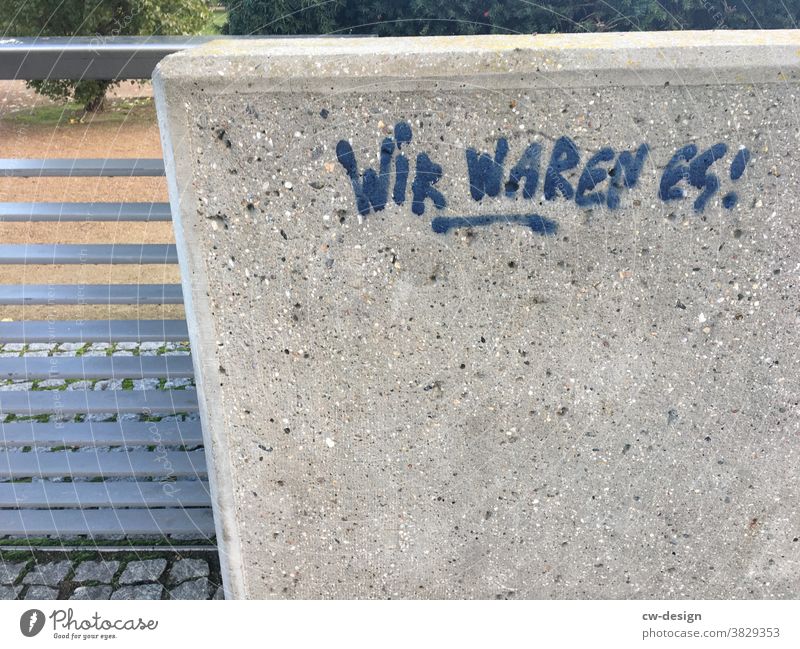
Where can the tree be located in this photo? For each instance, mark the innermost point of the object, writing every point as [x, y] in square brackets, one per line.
[432, 17]
[285, 17]
[98, 19]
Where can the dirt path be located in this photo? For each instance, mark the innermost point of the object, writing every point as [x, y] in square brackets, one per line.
[32, 127]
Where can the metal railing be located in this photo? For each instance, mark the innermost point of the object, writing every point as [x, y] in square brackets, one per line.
[95, 58]
[142, 472]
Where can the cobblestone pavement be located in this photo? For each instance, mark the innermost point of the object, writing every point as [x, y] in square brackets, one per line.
[112, 575]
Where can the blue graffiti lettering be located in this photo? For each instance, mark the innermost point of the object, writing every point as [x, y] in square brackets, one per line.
[675, 172]
[485, 172]
[527, 169]
[564, 157]
[591, 177]
[698, 176]
[428, 174]
[626, 174]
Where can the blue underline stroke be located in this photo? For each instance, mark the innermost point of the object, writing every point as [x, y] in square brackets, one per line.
[537, 224]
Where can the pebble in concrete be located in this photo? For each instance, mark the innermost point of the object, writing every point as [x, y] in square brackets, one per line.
[194, 589]
[184, 569]
[41, 592]
[99, 571]
[138, 571]
[145, 591]
[48, 574]
[92, 592]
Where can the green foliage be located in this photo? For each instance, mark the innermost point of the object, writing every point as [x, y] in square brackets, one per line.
[98, 19]
[283, 16]
[434, 17]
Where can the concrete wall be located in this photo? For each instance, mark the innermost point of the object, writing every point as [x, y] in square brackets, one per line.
[546, 348]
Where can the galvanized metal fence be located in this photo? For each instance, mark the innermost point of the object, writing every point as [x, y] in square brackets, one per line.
[77, 460]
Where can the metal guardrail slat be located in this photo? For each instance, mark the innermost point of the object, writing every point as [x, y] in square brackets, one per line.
[64, 402]
[100, 57]
[95, 212]
[83, 331]
[98, 253]
[105, 522]
[80, 294]
[96, 367]
[93, 464]
[104, 494]
[80, 167]
[92, 433]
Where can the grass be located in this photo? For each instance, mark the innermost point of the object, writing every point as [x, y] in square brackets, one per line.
[115, 112]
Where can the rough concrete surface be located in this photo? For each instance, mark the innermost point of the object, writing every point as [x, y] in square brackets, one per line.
[558, 361]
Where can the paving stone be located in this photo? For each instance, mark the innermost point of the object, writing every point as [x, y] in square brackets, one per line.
[138, 571]
[80, 385]
[145, 591]
[10, 572]
[38, 347]
[122, 353]
[97, 347]
[100, 571]
[151, 347]
[48, 574]
[17, 387]
[108, 384]
[41, 592]
[40, 354]
[9, 592]
[220, 594]
[146, 384]
[195, 589]
[177, 383]
[71, 347]
[100, 416]
[13, 347]
[184, 569]
[51, 383]
[92, 592]
[126, 346]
